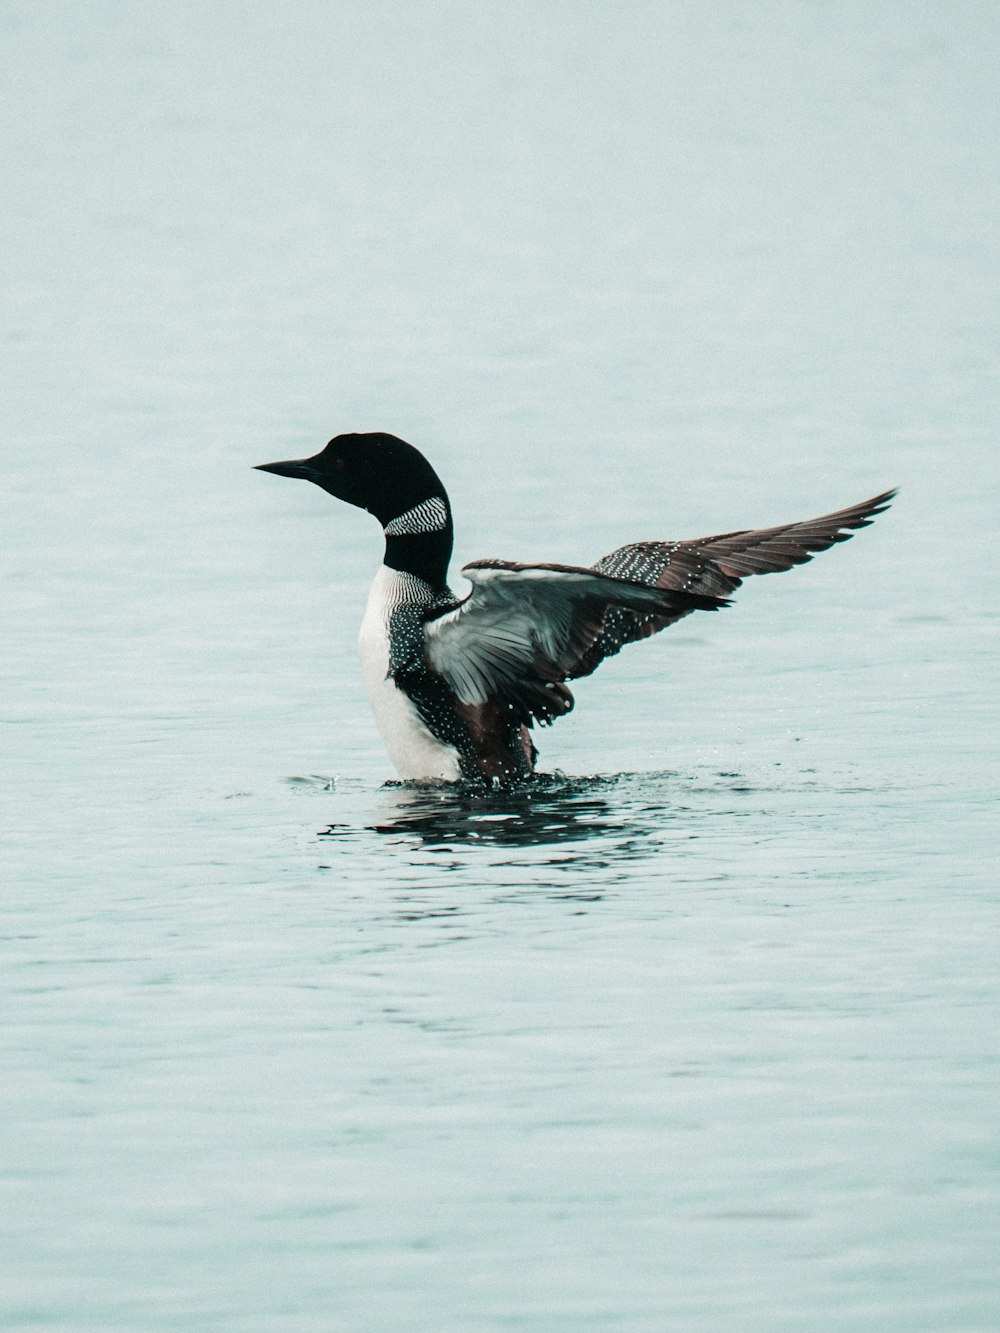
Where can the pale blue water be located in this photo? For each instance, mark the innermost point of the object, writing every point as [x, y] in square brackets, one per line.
[699, 1034]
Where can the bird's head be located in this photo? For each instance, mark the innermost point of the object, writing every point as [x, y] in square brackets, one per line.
[375, 471]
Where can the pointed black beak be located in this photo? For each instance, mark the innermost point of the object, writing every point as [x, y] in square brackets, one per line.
[295, 467]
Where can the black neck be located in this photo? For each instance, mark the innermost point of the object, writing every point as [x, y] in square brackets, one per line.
[424, 554]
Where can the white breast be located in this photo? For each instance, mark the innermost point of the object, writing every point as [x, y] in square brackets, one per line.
[414, 751]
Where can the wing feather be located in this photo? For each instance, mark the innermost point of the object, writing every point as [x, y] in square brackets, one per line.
[716, 566]
[526, 629]
[523, 629]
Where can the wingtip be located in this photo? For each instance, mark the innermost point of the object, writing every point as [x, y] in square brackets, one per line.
[878, 504]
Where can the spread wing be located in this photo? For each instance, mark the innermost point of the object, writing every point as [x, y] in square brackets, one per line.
[715, 566]
[524, 629]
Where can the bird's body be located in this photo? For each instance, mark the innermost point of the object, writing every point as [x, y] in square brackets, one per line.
[456, 685]
[413, 748]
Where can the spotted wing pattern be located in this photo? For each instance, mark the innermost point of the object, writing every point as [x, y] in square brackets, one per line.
[524, 628]
[714, 566]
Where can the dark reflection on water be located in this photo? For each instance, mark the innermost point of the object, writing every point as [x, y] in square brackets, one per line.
[621, 812]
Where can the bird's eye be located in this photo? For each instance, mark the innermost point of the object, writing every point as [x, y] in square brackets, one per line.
[340, 464]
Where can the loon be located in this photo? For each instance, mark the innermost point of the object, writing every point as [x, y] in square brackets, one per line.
[456, 685]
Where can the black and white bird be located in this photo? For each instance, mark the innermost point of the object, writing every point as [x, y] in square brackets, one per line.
[457, 685]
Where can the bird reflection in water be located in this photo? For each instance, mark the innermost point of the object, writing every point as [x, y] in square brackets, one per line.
[550, 810]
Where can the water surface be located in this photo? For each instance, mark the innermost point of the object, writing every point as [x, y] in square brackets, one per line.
[697, 1032]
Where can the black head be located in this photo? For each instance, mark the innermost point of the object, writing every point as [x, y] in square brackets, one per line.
[393, 481]
[377, 472]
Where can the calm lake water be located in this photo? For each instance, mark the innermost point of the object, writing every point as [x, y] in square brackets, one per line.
[698, 1033]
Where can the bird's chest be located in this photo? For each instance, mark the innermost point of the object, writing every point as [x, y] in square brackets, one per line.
[390, 635]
